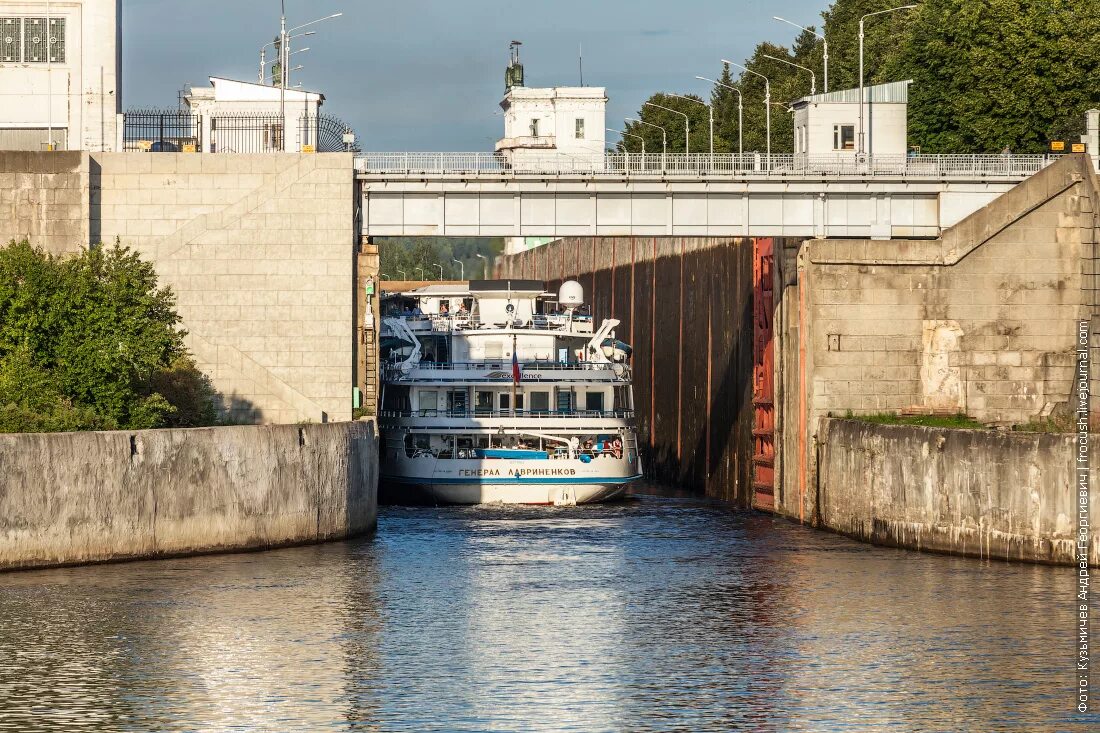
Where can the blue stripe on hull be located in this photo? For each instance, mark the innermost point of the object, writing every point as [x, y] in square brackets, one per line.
[511, 480]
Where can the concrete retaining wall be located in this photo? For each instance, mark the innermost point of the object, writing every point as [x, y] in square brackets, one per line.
[980, 493]
[983, 320]
[68, 498]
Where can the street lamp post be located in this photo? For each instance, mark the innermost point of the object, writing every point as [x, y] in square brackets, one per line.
[740, 111]
[710, 112]
[813, 77]
[284, 73]
[402, 273]
[461, 268]
[440, 270]
[630, 134]
[767, 104]
[263, 53]
[823, 42]
[485, 267]
[664, 136]
[687, 131]
[862, 101]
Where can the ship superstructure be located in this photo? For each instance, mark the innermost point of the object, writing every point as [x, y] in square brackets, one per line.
[497, 391]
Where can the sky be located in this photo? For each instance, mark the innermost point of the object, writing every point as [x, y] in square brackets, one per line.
[428, 75]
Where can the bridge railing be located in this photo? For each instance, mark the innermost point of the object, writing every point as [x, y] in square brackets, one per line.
[703, 164]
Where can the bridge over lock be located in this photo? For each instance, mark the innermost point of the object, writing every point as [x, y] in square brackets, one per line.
[482, 194]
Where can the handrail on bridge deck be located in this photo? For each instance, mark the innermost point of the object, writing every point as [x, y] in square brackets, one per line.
[704, 164]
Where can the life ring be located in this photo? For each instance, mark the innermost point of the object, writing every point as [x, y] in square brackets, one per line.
[617, 448]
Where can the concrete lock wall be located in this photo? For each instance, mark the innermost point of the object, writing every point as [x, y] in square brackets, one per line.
[68, 498]
[259, 250]
[981, 321]
[981, 493]
[686, 308]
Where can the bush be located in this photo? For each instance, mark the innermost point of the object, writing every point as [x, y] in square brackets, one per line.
[91, 342]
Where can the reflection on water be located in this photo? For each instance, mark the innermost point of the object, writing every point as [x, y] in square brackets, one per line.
[654, 614]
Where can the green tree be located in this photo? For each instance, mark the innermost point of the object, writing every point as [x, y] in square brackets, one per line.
[999, 73]
[698, 123]
[86, 340]
[416, 255]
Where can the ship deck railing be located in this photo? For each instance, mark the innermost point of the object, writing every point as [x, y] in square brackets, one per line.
[535, 414]
[532, 372]
[552, 323]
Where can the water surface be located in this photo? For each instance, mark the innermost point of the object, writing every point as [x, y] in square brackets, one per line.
[654, 614]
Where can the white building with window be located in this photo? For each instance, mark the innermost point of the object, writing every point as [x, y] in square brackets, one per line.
[549, 122]
[553, 121]
[828, 124]
[62, 86]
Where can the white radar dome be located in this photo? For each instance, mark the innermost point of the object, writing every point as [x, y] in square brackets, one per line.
[571, 294]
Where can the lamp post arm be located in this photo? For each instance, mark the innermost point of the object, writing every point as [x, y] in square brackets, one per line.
[664, 135]
[824, 43]
[687, 132]
[813, 77]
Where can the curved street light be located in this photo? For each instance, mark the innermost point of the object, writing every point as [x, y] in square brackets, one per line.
[402, 273]
[863, 101]
[629, 134]
[813, 77]
[421, 269]
[485, 268]
[664, 133]
[767, 103]
[710, 112]
[436, 264]
[740, 111]
[823, 41]
[461, 269]
[687, 131]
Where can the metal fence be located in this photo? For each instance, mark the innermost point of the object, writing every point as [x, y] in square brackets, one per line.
[246, 133]
[161, 130]
[703, 164]
[326, 134]
[155, 130]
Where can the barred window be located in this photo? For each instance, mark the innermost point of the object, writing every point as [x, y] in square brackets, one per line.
[25, 40]
[57, 40]
[34, 40]
[11, 37]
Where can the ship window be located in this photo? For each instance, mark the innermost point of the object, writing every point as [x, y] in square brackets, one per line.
[456, 401]
[534, 128]
[395, 398]
[428, 401]
[580, 128]
[506, 401]
[483, 402]
[540, 401]
[565, 400]
[593, 401]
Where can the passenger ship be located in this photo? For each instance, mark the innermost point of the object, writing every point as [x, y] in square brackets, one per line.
[498, 392]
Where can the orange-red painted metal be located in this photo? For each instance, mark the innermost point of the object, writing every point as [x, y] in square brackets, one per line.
[763, 387]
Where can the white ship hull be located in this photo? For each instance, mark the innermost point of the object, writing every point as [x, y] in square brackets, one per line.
[557, 482]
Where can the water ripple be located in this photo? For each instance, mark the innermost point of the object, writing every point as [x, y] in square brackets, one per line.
[656, 614]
